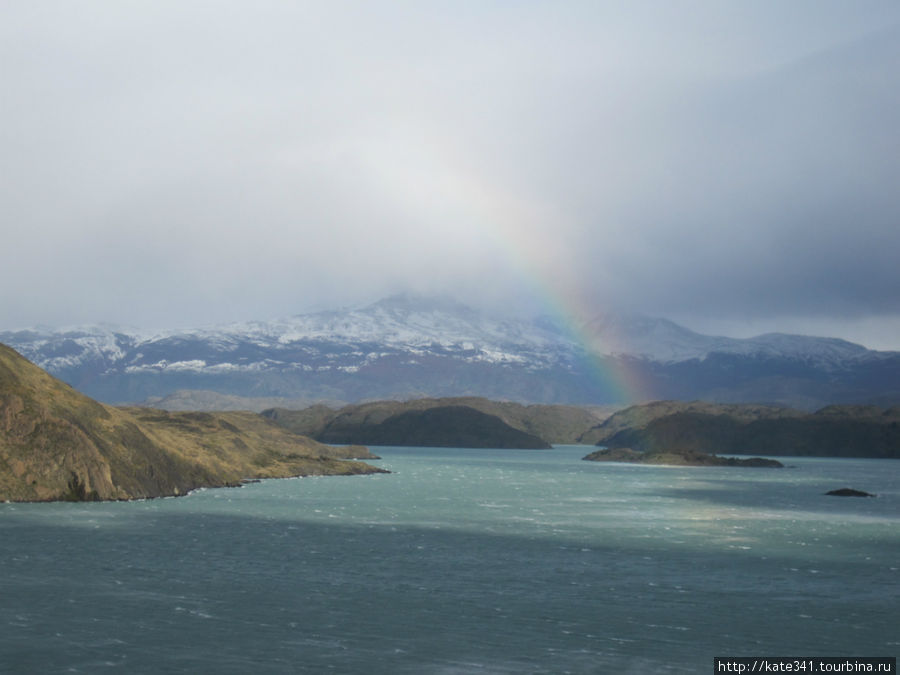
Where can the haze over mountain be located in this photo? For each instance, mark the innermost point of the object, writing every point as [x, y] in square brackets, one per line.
[731, 167]
[412, 346]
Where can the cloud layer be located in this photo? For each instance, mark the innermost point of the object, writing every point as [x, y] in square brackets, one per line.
[183, 163]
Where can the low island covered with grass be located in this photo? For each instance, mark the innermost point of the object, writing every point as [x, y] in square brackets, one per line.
[677, 457]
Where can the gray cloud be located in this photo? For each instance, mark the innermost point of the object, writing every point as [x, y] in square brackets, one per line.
[177, 163]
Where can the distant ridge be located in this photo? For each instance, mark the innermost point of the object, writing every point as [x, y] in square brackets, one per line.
[412, 347]
[209, 401]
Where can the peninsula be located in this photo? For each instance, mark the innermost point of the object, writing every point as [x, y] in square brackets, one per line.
[749, 429]
[58, 444]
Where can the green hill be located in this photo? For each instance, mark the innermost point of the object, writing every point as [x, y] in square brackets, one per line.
[834, 431]
[443, 426]
[56, 443]
[552, 423]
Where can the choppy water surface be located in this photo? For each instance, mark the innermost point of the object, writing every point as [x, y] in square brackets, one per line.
[461, 561]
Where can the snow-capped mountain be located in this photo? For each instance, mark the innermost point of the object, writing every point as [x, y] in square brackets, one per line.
[409, 346]
[334, 340]
[664, 341]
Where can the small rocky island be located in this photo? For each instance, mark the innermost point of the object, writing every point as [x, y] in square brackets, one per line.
[848, 492]
[677, 457]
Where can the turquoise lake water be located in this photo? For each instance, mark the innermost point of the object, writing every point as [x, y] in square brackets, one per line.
[461, 561]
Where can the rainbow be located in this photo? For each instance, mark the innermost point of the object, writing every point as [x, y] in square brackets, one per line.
[515, 230]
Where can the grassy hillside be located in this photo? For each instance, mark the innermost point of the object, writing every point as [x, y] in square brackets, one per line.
[56, 443]
[443, 427]
[193, 400]
[834, 431]
[639, 416]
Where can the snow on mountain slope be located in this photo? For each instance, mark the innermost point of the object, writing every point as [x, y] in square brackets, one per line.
[407, 345]
[664, 341]
[817, 349]
[406, 324]
[649, 338]
[345, 339]
[57, 350]
[400, 322]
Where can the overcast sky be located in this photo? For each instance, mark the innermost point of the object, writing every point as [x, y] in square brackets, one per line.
[731, 165]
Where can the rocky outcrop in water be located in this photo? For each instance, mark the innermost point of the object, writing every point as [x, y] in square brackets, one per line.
[677, 457]
[848, 492]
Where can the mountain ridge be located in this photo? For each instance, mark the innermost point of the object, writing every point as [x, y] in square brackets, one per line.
[407, 346]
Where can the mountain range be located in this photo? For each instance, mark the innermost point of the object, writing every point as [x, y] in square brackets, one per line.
[406, 347]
